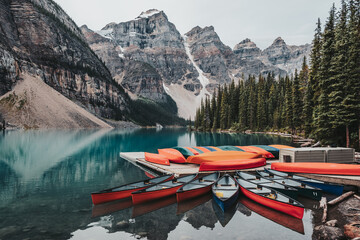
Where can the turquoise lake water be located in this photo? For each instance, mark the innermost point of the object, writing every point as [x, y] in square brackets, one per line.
[46, 178]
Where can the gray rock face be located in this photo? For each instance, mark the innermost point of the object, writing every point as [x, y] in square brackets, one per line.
[285, 57]
[37, 37]
[139, 78]
[209, 53]
[247, 50]
[152, 39]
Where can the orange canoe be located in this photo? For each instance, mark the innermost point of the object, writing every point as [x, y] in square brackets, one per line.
[156, 158]
[232, 164]
[172, 154]
[279, 146]
[221, 156]
[318, 168]
[257, 150]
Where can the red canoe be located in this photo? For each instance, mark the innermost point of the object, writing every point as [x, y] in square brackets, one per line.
[271, 198]
[221, 156]
[160, 190]
[196, 187]
[156, 158]
[124, 191]
[232, 164]
[318, 168]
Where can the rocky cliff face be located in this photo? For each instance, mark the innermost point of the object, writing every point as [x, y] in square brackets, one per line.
[138, 78]
[37, 38]
[285, 57]
[209, 53]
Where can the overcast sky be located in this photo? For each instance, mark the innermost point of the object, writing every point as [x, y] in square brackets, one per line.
[234, 20]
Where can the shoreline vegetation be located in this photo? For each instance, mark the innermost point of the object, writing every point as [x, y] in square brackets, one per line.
[321, 101]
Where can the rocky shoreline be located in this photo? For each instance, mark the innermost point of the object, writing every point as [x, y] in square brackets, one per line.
[342, 221]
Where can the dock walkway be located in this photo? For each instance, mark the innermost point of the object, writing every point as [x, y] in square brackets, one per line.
[138, 159]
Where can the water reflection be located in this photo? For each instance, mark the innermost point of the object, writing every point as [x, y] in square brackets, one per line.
[46, 178]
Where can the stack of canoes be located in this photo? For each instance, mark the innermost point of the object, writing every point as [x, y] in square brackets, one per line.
[219, 158]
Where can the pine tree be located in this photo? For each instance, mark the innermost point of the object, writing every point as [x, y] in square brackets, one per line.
[261, 114]
[351, 101]
[323, 130]
[243, 116]
[315, 61]
[224, 114]
[297, 104]
[339, 76]
[288, 104]
[252, 103]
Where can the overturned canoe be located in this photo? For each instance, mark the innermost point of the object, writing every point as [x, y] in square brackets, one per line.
[156, 158]
[232, 164]
[332, 188]
[172, 154]
[225, 191]
[271, 198]
[124, 191]
[220, 156]
[287, 190]
[163, 189]
[257, 150]
[279, 146]
[197, 187]
[272, 150]
[318, 168]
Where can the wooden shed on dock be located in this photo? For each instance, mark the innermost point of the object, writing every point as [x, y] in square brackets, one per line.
[332, 155]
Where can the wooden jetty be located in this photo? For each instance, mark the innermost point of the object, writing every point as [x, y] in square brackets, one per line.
[138, 159]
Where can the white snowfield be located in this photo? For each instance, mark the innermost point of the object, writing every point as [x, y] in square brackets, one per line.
[148, 13]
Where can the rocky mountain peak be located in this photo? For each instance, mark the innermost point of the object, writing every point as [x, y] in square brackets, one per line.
[246, 43]
[278, 42]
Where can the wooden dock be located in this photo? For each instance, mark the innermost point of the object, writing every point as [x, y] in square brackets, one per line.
[138, 159]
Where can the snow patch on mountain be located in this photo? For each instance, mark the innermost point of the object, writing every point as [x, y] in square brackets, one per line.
[148, 13]
[107, 33]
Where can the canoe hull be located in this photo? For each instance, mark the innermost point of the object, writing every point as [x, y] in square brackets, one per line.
[224, 205]
[329, 188]
[141, 197]
[185, 195]
[232, 164]
[318, 168]
[98, 198]
[291, 210]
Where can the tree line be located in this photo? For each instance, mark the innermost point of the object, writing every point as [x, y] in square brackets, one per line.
[321, 101]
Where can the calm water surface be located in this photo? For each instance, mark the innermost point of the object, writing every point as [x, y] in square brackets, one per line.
[46, 178]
